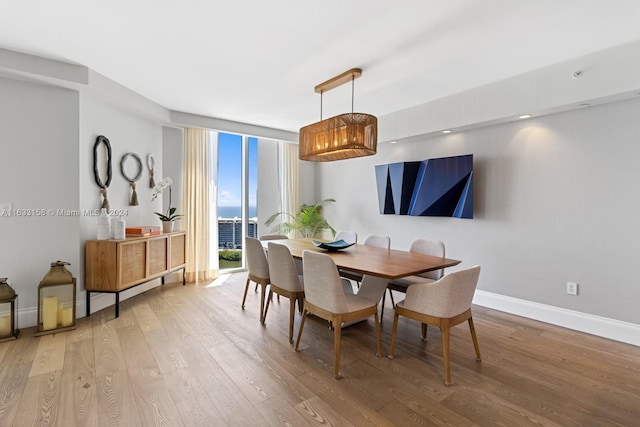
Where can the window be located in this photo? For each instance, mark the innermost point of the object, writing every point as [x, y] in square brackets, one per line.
[237, 199]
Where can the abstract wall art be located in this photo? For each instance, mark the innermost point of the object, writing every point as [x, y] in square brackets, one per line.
[433, 187]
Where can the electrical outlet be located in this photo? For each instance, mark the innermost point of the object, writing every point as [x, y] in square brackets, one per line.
[572, 288]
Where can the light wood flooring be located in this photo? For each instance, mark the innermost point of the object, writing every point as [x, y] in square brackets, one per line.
[187, 356]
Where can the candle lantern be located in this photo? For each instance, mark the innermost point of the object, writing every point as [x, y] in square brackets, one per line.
[8, 313]
[57, 300]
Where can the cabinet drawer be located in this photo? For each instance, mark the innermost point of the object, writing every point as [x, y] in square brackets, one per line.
[132, 259]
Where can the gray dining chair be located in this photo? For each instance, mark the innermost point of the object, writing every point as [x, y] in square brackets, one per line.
[372, 240]
[325, 298]
[267, 237]
[421, 246]
[348, 236]
[285, 281]
[258, 270]
[444, 303]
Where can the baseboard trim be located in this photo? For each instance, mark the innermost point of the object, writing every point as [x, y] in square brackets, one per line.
[596, 325]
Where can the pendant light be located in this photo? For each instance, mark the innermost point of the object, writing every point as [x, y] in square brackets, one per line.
[341, 137]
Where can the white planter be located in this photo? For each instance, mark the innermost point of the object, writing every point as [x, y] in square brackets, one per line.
[167, 226]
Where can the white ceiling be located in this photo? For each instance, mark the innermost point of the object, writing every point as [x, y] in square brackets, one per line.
[257, 61]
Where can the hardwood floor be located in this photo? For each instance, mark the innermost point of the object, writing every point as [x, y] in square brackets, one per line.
[186, 356]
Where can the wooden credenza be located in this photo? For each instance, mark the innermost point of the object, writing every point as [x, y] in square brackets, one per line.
[116, 265]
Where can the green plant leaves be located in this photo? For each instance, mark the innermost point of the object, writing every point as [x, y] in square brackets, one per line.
[309, 221]
[169, 216]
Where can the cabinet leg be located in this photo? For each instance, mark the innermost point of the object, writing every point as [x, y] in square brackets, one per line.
[162, 280]
[88, 303]
[117, 305]
[184, 276]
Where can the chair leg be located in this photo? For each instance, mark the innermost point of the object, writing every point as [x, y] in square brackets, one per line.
[292, 313]
[384, 298]
[304, 316]
[266, 308]
[424, 331]
[246, 288]
[475, 339]
[337, 331]
[256, 288]
[263, 291]
[445, 353]
[393, 303]
[378, 336]
[394, 332]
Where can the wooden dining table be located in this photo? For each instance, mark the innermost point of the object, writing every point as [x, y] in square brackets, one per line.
[384, 263]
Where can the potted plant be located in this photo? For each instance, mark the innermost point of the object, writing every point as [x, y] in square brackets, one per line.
[168, 218]
[309, 220]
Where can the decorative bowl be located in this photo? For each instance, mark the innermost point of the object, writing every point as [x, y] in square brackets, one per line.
[332, 246]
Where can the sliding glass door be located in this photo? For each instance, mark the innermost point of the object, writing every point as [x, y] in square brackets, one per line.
[237, 199]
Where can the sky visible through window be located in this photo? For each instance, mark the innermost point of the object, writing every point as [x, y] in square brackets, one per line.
[230, 175]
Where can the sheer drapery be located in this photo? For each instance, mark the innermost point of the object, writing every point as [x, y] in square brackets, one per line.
[200, 206]
[289, 179]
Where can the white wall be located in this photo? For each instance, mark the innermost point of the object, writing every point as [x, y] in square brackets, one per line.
[309, 185]
[47, 136]
[555, 199]
[126, 133]
[39, 152]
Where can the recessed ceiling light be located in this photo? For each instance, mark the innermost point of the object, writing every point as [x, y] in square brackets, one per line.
[586, 104]
[393, 142]
[447, 131]
[525, 116]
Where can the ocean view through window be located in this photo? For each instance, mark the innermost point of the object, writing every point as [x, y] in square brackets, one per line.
[237, 186]
[235, 211]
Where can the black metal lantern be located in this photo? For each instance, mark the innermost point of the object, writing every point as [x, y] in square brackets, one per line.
[8, 312]
[57, 300]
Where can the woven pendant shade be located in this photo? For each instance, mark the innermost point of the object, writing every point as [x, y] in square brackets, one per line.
[341, 137]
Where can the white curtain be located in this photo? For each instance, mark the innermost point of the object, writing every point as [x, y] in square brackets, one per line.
[289, 179]
[200, 206]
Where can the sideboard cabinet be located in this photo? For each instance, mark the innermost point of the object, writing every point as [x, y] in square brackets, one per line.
[116, 265]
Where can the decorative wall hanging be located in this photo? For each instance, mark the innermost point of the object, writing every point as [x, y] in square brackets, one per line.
[102, 140]
[151, 162]
[433, 187]
[132, 181]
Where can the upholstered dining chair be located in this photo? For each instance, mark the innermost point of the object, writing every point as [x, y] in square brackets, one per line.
[325, 298]
[258, 270]
[444, 303]
[266, 237]
[372, 240]
[378, 241]
[285, 281]
[348, 236]
[422, 246]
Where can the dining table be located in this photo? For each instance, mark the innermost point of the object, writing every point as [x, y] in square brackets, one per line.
[389, 264]
[377, 265]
